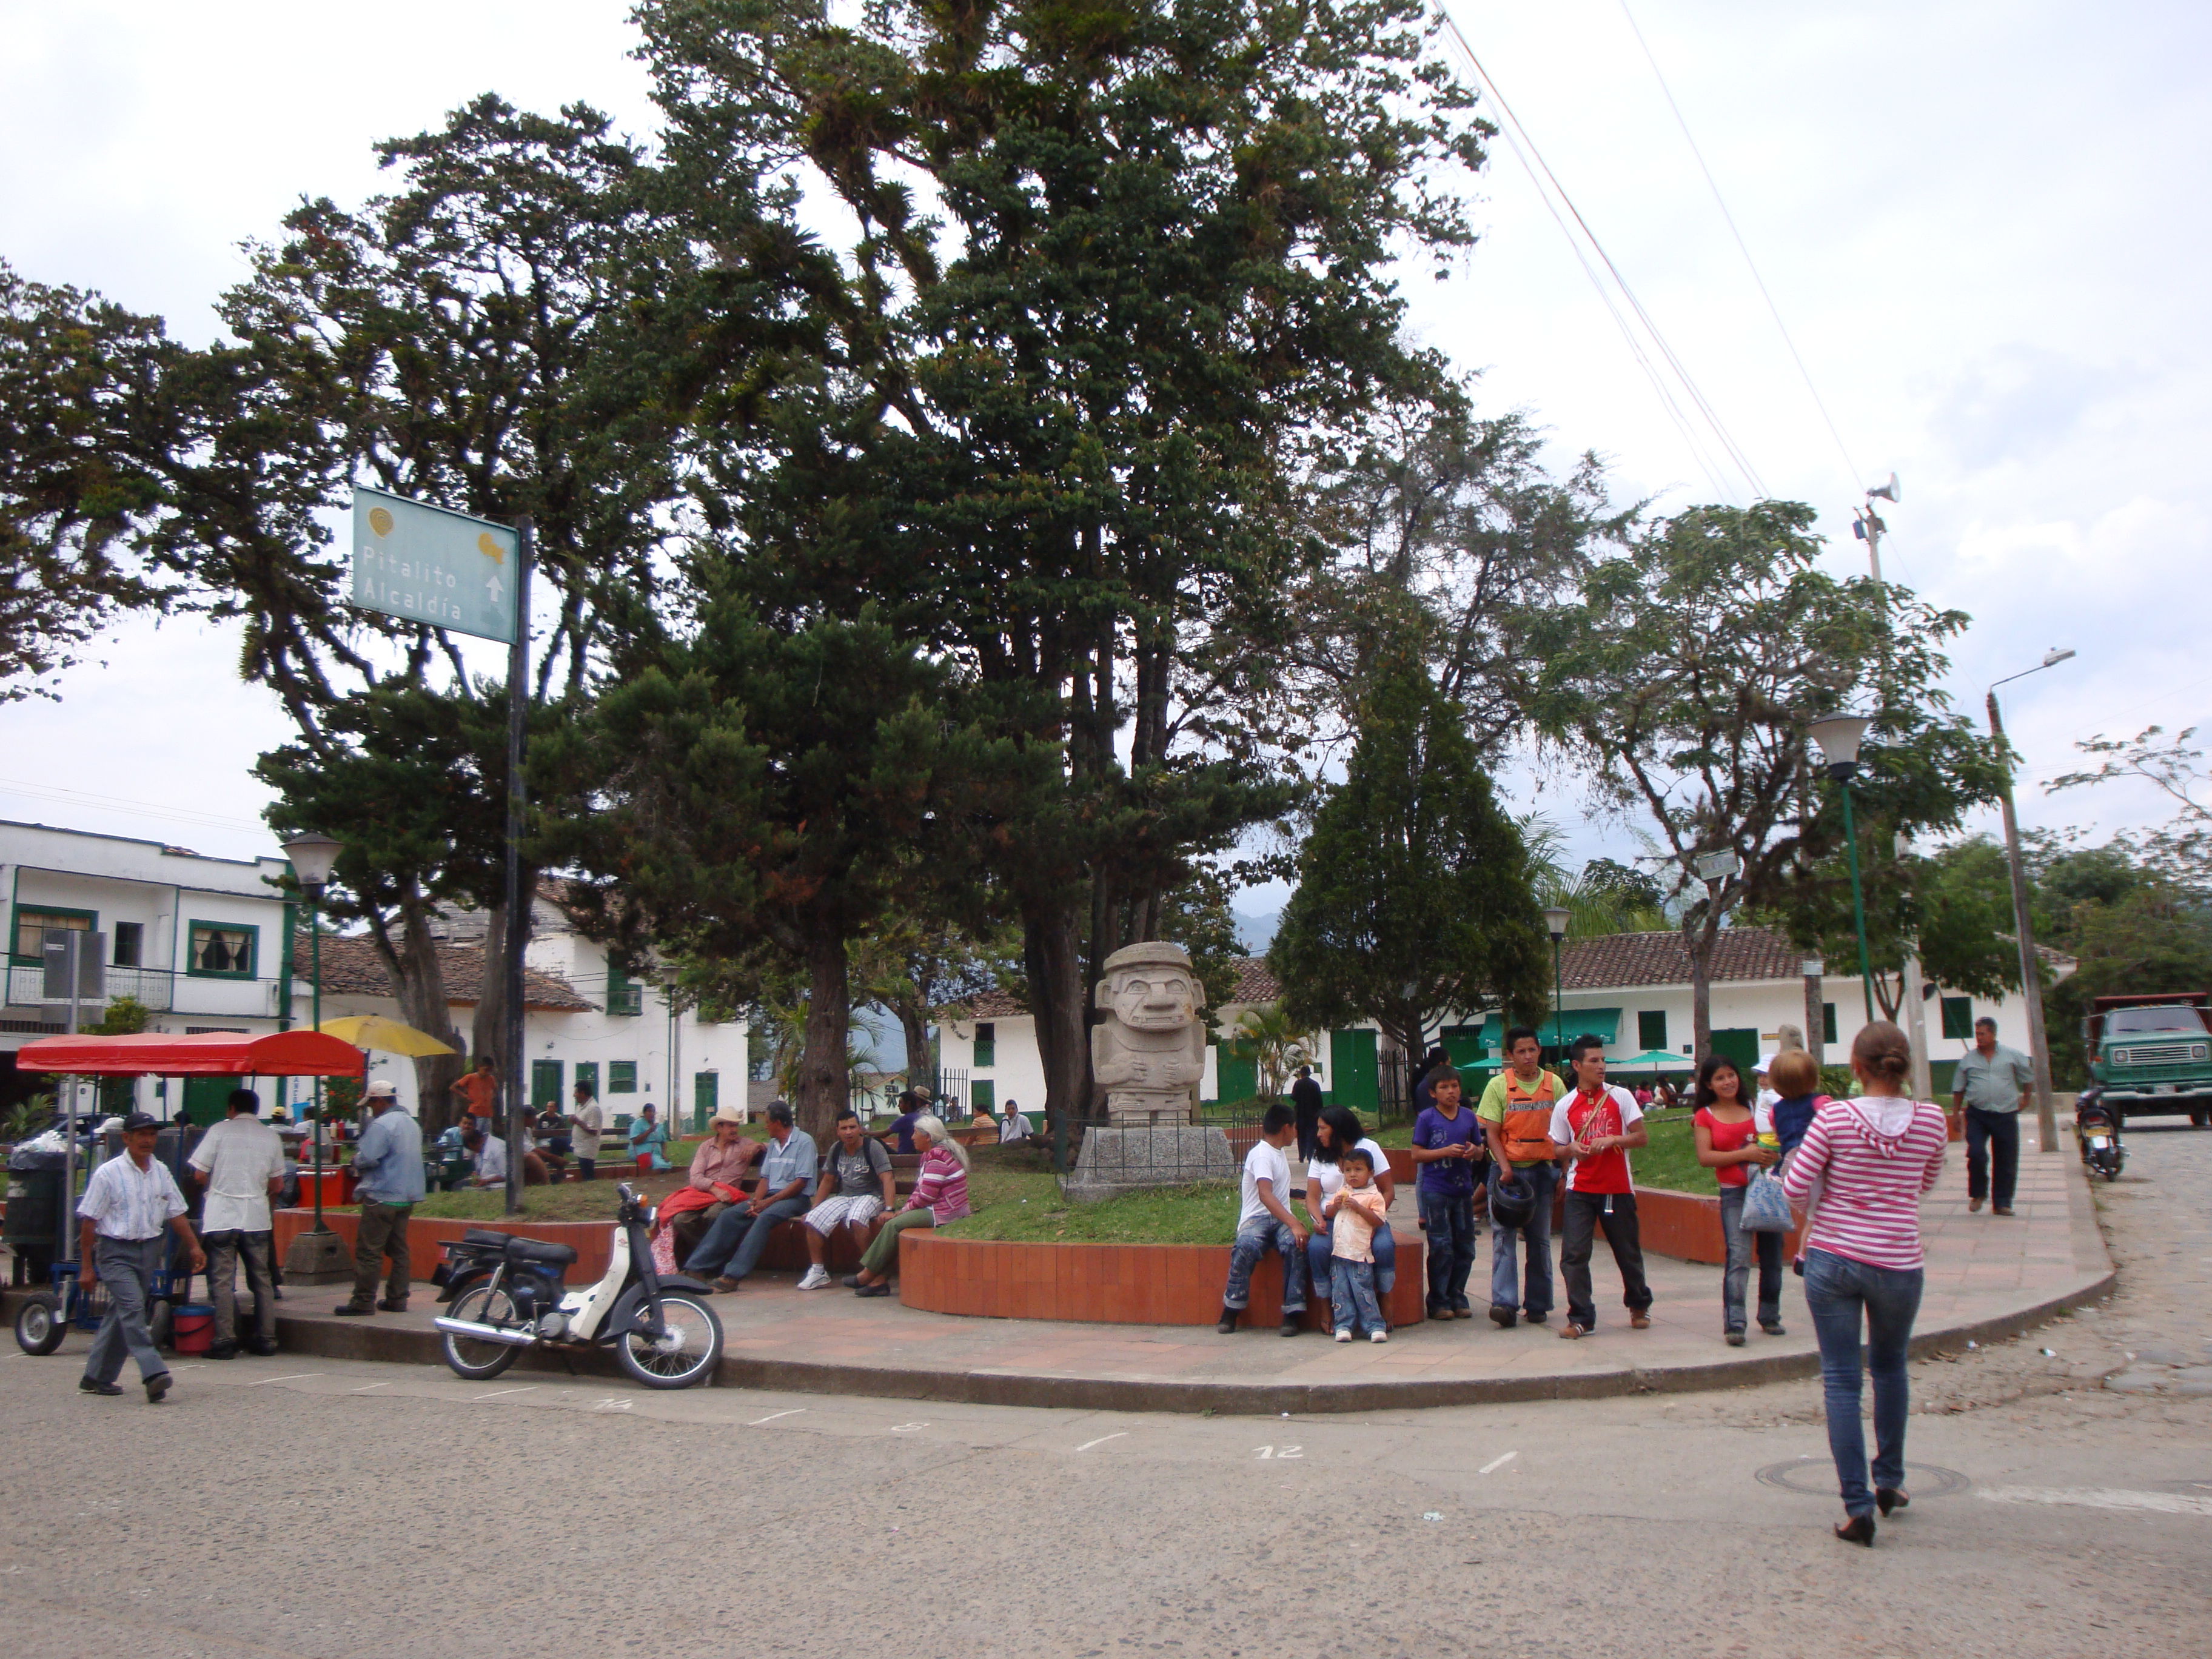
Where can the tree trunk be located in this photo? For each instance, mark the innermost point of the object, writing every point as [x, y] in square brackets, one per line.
[488, 1030]
[1699, 942]
[418, 983]
[1060, 1001]
[913, 1022]
[824, 1088]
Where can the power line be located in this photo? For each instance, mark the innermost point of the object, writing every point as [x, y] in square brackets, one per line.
[118, 804]
[1540, 172]
[1751, 264]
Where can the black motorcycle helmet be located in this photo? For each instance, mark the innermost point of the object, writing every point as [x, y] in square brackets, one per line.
[1512, 1202]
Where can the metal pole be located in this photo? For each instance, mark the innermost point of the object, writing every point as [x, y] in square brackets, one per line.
[675, 1054]
[1558, 999]
[518, 903]
[1916, 1005]
[315, 959]
[1858, 902]
[2030, 980]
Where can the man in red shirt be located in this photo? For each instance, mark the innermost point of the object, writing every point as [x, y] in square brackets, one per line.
[1593, 1128]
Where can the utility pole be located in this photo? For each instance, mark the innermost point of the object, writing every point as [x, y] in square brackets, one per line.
[2030, 977]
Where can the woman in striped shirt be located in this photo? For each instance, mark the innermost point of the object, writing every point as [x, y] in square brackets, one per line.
[1874, 1157]
[940, 1195]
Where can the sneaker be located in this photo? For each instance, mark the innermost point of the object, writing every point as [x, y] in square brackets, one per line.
[1462, 1311]
[223, 1351]
[157, 1386]
[1290, 1325]
[2000, 1209]
[1974, 1206]
[1534, 1318]
[391, 1306]
[1378, 1336]
[352, 1311]
[1344, 1336]
[816, 1279]
[106, 1390]
[1772, 1328]
[1227, 1324]
[1735, 1339]
[1501, 1317]
[1440, 1313]
[724, 1284]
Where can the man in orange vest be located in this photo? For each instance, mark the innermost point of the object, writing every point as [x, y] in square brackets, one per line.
[1517, 1119]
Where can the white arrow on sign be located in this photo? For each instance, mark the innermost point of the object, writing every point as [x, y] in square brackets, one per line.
[491, 586]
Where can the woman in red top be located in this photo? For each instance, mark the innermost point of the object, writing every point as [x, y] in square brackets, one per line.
[1727, 1130]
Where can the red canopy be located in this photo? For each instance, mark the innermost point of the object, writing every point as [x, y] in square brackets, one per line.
[210, 1054]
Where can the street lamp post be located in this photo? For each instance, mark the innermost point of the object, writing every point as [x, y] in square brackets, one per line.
[671, 976]
[316, 1254]
[1815, 1007]
[1838, 736]
[1556, 917]
[2031, 979]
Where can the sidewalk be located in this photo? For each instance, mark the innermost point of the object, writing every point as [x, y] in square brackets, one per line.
[1987, 1279]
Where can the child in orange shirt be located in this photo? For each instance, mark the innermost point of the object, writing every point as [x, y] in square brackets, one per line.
[1353, 1215]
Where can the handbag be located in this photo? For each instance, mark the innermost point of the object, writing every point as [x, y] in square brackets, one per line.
[1766, 1206]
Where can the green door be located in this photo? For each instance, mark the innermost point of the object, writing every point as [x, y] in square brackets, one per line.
[545, 1084]
[1464, 1044]
[706, 1095]
[1234, 1079]
[207, 1099]
[587, 1073]
[983, 1096]
[1355, 1075]
[1740, 1044]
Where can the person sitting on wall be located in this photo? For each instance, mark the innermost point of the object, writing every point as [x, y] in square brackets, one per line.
[648, 1139]
[1013, 1125]
[940, 1198]
[714, 1181]
[1266, 1222]
[857, 1186]
[732, 1246]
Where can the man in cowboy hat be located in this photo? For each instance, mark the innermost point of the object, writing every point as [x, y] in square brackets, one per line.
[388, 1171]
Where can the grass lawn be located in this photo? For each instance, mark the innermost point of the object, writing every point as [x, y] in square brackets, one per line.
[1017, 1197]
[1671, 1159]
[572, 1200]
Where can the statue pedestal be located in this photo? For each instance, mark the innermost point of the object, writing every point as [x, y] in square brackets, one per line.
[1128, 1158]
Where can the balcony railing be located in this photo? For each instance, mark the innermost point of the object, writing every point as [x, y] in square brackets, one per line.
[154, 987]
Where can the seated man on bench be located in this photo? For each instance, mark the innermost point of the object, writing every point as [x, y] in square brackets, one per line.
[734, 1244]
[857, 1185]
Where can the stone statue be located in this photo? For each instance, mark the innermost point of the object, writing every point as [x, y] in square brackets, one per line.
[1148, 1054]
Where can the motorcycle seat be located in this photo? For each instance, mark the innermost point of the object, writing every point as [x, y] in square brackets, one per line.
[485, 1236]
[529, 1250]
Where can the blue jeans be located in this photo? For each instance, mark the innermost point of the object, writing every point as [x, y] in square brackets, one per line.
[1735, 1279]
[1839, 1291]
[1449, 1219]
[1318, 1258]
[1254, 1240]
[732, 1246]
[1354, 1300]
[1504, 1266]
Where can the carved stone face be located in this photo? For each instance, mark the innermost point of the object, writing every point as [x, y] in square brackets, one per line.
[1153, 997]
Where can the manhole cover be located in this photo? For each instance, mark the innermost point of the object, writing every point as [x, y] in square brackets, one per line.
[1816, 1477]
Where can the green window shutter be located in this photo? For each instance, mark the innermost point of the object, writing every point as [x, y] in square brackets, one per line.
[987, 1045]
[1959, 1018]
[622, 1077]
[624, 994]
[706, 1095]
[1827, 1022]
[1739, 1044]
[1651, 1029]
[587, 1073]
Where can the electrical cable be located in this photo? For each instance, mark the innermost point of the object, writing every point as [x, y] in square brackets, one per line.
[1511, 122]
[1751, 264]
[140, 809]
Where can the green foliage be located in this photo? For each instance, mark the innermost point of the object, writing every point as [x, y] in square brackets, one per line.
[1687, 677]
[125, 1017]
[84, 428]
[1273, 1041]
[2181, 849]
[1413, 896]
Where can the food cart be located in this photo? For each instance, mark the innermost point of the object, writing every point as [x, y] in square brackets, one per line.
[46, 1316]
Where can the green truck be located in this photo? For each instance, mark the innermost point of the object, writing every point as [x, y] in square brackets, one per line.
[2152, 1054]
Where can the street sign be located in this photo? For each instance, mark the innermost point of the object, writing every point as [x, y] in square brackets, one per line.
[60, 947]
[1718, 866]
[429, 565]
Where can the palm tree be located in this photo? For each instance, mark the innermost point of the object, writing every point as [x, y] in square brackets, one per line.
[1266, 1036]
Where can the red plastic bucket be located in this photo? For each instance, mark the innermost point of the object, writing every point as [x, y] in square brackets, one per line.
[644, 1163]
[192, 1328]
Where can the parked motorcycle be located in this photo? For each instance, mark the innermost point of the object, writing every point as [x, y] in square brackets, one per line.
[2097, 1127]
[505, 1294]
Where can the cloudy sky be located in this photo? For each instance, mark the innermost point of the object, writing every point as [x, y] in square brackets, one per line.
[1984, 224]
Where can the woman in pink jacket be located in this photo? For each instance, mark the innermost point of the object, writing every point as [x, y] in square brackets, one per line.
[940, 1195]
[1873, 1157]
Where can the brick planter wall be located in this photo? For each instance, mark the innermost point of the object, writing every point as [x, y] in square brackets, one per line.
[1686, 1226]
[1111, 1284]
[592, 1240]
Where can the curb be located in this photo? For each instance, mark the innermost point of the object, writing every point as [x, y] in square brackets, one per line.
[333, 1338]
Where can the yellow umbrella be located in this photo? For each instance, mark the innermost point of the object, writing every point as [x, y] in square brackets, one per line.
[385, 1035]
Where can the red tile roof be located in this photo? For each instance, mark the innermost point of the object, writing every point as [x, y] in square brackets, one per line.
[351, 966]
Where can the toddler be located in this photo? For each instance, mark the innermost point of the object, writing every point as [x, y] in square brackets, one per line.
[1353, 1214]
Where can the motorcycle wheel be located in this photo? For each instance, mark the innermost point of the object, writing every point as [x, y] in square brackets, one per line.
[2112, 1170]
[40, 1326]
[686, 1355]
[480, 1361]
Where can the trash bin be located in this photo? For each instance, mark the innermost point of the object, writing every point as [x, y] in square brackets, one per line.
[34, 1207]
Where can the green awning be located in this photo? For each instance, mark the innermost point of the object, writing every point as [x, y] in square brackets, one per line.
[1603, 1024]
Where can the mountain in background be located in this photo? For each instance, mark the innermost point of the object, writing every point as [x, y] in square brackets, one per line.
[1255, 930]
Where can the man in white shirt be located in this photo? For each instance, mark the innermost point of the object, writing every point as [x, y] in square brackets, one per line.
[1266, 1222]
[490, 1154]
[585, 1123]
[1013, 1125]
[129, 1208]
[240, 1161]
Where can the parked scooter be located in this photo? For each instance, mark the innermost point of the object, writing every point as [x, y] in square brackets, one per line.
[507, 1294]
[2097, 1127]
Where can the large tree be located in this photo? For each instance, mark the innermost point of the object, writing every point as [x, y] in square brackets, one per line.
[1413, 897]
[1107, 277]
[1685, 680]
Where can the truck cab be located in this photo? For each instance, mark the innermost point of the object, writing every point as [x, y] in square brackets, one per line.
[2152, 1054]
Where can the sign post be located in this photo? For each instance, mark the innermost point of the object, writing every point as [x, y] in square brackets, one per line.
[468, 575]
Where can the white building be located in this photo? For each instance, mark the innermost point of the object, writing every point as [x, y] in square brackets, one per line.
[1631, 990]
[211, 945]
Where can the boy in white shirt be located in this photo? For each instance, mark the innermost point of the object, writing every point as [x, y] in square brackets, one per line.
[1266, 1223]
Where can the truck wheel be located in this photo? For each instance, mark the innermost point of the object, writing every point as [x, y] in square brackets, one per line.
[40, 1326]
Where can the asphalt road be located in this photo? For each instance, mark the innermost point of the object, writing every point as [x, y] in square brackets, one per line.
[297, 1506]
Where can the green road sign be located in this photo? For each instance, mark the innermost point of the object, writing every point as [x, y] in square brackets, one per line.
[429, 565]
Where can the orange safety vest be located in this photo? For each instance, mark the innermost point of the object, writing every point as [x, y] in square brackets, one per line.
[1528, 1128]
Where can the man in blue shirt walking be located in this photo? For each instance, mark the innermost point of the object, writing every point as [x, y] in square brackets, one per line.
[388, 1182]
